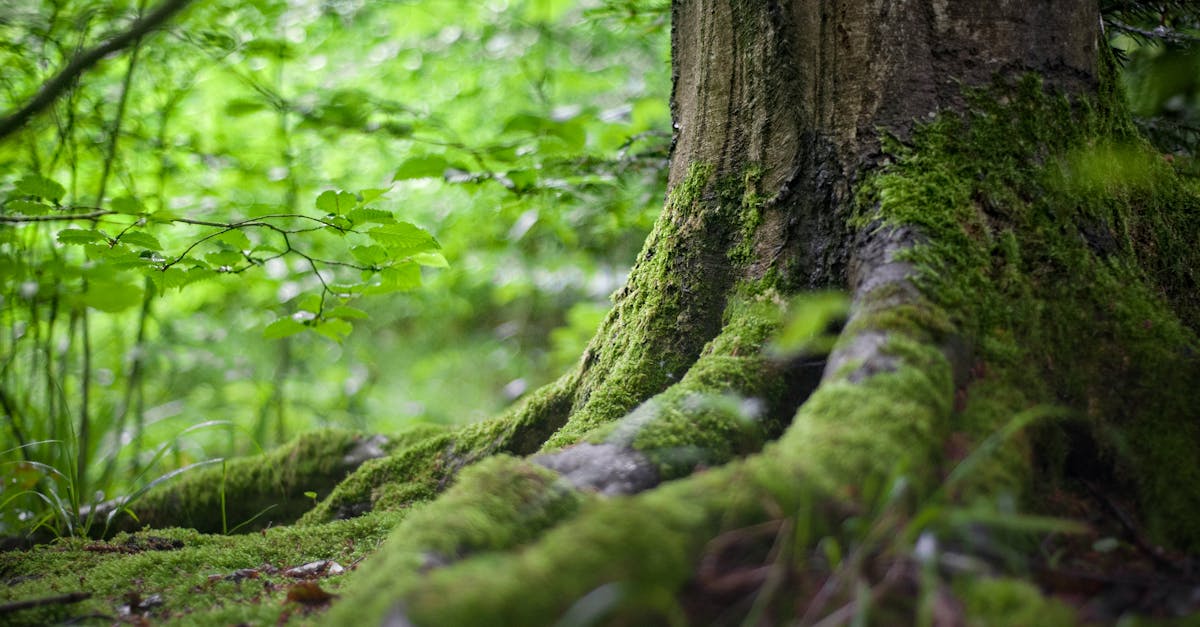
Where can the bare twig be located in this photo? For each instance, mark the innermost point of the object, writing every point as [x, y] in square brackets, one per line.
[55, 87]
[15, 606]
[99, 213]
[1161, 33]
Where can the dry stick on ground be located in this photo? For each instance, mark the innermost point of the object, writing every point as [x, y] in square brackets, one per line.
[62, 599]
[53, 88]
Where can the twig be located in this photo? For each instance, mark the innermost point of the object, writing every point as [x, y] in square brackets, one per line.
[16, 606]
[99, 213]
[55, 87]
[1161, 33]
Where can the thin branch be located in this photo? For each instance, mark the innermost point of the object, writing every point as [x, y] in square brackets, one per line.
[1161, 33]
[99, 213]
[73, 597]
[53, 88]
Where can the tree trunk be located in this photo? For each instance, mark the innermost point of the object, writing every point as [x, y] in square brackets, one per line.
[984, 259]
[1023, 304]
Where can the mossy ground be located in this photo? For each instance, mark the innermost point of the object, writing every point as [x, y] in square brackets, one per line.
[181, 576]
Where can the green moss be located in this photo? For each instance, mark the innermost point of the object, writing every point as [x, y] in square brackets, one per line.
[497, 504]
[426, 460]
[730, 402]
[195, 576]
[996, 602]
[258, 491]
[638, 552]
[1058, 272]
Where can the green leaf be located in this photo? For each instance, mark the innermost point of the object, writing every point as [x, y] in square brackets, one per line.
[336, 203]
[223, 258]
[347, 313]
[164, 216]
[369, 255]
[310, 302]
[236, 239]
[141, 238]
[398, 278]
[42, 187]
[371, 194]
[111, 296]
[404, 238]
[80, 236]
[432, 260]
[809, 323]
[429, 166]
[127, 205]
[29, 207]
[167, 279]
[525, 123]
[198, 274]
[243, 106]
[364, 215]
[335, 329]
[282, 327]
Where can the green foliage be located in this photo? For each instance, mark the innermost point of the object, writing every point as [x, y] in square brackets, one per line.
[184, 232]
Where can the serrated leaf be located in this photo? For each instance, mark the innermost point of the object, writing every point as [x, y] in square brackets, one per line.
[398, 278]
[127, 205]
[365, 215]
[339, 225]
[79, 236]
[404, 238]
[29, 207]
[432, 260]
[236, 239]
[347, 313]
[198, 274]
[141, 238]
[336, 203]
[309, 302]
[369, 195]
[283, 327]
[525, 123]
[164, 216]
[429, 166]
[42, 187]
[111, 296]
[369, 255]
[335, 329]
[167, 279]
[223, 258]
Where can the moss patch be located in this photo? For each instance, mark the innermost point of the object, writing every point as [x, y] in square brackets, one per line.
[249, 493]
[1057, 272]
[182, 576]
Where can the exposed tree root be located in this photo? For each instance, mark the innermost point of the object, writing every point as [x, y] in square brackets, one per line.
[855, 426]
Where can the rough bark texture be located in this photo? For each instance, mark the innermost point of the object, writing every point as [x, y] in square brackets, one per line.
[999, 273]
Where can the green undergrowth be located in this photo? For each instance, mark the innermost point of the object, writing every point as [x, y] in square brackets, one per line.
[181, 576]
[1063, 247]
